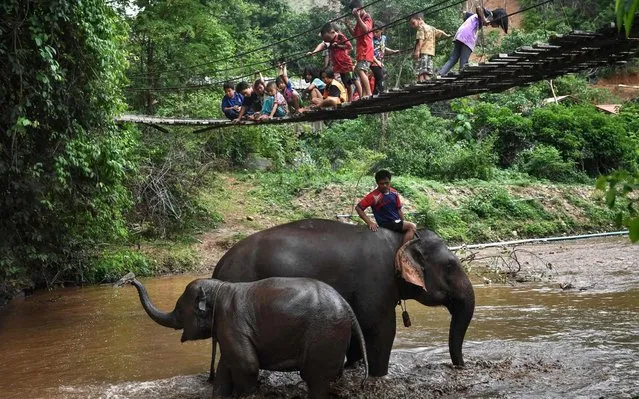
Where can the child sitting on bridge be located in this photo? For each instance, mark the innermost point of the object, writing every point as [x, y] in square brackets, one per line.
[252, 98]
[231, 102]
[274, 104]
[316, 85]
[387, 208]
[286, 89]
[334, 92]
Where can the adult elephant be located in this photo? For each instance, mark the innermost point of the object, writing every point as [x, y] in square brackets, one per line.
[360, 265]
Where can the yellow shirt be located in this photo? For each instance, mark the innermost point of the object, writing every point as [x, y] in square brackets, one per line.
[336, 89]
[429, 35]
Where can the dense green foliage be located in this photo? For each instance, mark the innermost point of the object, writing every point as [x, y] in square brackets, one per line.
[561, 143]
[63, 163]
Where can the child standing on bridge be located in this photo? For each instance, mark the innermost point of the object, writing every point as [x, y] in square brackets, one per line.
[425, 41]
[466, 36]
[380, 50]
[387, 208]
[363, 32]
[339, 49]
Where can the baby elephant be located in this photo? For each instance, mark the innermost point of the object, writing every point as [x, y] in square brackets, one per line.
[279, 324]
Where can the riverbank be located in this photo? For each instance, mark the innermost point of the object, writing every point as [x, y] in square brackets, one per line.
[462, 212]
[473, 211]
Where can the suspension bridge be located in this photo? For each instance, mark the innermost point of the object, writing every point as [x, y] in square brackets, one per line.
[562, 54]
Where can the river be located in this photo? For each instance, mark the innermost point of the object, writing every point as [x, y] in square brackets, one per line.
[526, 340]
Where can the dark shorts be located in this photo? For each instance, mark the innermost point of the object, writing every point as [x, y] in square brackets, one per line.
[347, 78]
[395, 226]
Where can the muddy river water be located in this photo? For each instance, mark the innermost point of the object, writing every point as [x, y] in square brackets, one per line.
[527, 340]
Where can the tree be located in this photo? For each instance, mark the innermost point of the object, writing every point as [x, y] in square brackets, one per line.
[63, 161]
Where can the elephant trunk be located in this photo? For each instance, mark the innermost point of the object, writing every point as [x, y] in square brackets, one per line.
[162, 318]
[461, 311]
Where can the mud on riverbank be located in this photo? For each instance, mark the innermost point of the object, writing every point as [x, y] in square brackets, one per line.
[495, 370]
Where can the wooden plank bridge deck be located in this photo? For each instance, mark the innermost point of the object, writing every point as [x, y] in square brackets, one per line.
[562, 55]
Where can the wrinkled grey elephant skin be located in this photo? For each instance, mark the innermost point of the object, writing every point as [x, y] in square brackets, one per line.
[282, 324]
[360, 265]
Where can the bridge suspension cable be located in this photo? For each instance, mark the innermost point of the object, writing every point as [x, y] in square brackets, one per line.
[253, 50]
[302, 53]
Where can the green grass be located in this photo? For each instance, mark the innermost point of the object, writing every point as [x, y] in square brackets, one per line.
[487, 210]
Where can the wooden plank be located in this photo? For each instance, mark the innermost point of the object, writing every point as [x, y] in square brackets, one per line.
[573, 52]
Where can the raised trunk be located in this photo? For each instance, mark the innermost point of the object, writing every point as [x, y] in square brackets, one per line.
[162, 318]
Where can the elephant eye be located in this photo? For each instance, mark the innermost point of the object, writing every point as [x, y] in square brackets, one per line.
[418, 254]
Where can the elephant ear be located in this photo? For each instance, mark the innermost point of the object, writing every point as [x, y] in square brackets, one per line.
[201, 300]
[406, 266]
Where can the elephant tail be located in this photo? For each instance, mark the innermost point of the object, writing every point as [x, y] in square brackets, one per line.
[356, 330]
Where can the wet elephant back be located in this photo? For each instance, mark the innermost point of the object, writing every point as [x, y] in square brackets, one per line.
[294, 316]
[349, 258]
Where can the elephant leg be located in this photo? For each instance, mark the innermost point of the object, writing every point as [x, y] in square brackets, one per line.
[318, 388]
[318, 379]
[213, 354]
[245, 380]
[379, 342]
[245, 369]
[223, 384]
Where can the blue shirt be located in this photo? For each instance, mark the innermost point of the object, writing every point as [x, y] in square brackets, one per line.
[379, 47]
[385, 206]
[237, 99]
[319, 84]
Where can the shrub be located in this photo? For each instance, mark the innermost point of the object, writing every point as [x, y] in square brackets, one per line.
[111, 266]
[545, 162]
[512, 133]
[473, 160]
[171, 174]
[234, 144]
[595, 142]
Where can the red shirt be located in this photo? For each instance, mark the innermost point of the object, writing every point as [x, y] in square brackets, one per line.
[385, 206]
[340, 57]
[364, 46]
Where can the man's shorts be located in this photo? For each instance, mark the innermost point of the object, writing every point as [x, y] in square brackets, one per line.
[397, 225]
[362, 65]
[424, 65]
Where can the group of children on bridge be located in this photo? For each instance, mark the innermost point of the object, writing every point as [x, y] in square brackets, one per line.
[343, 81]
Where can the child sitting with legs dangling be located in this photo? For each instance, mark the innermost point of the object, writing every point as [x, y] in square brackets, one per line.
[275, 105]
